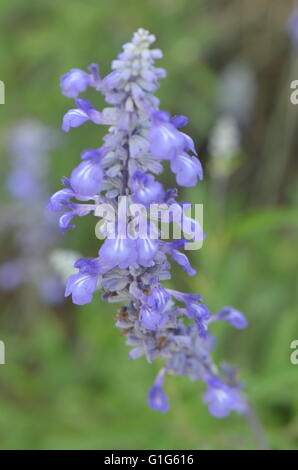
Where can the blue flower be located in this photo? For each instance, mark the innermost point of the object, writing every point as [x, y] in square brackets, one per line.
[157, 399]
[83, 284]
[74, 118]
[166, 141]
[186, 298]
[81, 287]
[51, 289]
[146, 190]
[179, 121]
[183, 261]
[77, 116]
[152, 319]
[118, 251]
[201, 314]
[146, 250]
[77, 210]
[35, 229]
[133, 262]
[22, 185]
[61, 200]
[74, 82]
[86, 178]
[187, 169]
[195, 309]
[12, 274]
[232, 316]
[222, 399]
[180, 258]
[124, 251]
[158, 296]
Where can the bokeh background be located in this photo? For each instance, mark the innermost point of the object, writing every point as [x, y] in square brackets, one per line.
[68, 382]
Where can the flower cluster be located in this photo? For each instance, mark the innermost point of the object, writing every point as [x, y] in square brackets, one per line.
[157, 321]
[34, 229]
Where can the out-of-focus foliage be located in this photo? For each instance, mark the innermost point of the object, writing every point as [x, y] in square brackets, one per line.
[68, 382]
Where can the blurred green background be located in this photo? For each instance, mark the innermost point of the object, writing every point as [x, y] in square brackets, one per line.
[68, 382]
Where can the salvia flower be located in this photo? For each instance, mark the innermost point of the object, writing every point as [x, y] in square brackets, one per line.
[133, 260]
[221, 398]
[33, 228]
[157, 399]
[146, 190]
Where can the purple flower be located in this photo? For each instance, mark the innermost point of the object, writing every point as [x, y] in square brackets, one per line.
[134, 261]
[158, 296]
[179, 121]
[21, 184]
[86, 178]
[51, 289]
[83, 284]
[189, 145]
[12, 274]
[124, 251]
[183, 261]
[177, 256]
[195, 309]
[222, 399]
[74, 118]
[94, 75]
[200, 313]
[157, 399]
[166, 141]
[146, 189]
[92, 154]
[77, 116]
[74, 82]
[61, 200]
[153, 314]
[119, 251]
[90, 265]
[34, 229]
[186, 298]
[152, 319]
[77, 209]
[232, 316]
[187, 169]
[81, 287]
[94, 115]
[146, 250]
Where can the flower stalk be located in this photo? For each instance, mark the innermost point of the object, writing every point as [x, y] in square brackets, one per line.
[130, 268]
